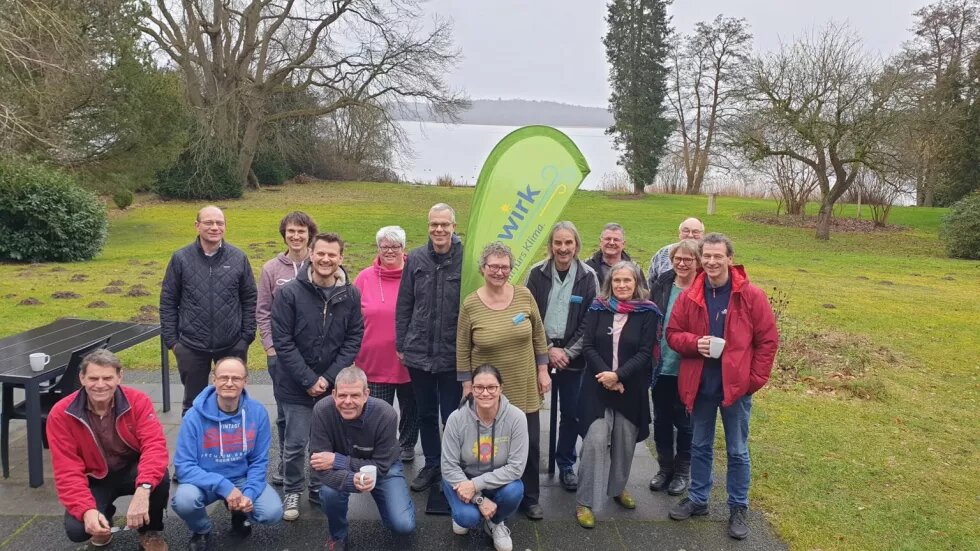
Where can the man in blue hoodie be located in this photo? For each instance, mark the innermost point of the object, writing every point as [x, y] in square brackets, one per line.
[222, 453]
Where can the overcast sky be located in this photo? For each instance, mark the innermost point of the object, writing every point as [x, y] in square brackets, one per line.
[552, 49]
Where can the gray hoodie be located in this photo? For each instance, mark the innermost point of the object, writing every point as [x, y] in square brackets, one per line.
[491, 457]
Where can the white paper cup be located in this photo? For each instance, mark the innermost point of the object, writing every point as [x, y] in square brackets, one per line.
[716, 347]
[39, 360]
[372, 472]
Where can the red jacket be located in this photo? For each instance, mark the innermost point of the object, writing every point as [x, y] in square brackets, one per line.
[75, 455]
[750, 337]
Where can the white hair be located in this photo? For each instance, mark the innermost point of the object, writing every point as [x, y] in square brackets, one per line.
[391, 233]
[444, 206]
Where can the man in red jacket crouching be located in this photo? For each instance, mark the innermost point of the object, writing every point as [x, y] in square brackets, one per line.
[107, 442]
[725, 332]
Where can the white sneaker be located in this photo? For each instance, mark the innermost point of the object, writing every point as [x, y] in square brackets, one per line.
[290, 507]
[500, 535]
[460, 530]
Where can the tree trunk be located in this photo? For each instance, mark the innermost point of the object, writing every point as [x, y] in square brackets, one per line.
[824, 217]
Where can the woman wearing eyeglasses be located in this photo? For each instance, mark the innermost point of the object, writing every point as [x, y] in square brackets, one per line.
[387, 375]
[499, 324]
[674, 473]
[620, 332]
[484, 451]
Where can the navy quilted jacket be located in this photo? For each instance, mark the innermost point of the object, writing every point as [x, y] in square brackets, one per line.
[208, 303]
[313, 338]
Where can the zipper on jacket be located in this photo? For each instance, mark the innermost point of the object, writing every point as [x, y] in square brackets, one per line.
[432, 318]
[211, 301]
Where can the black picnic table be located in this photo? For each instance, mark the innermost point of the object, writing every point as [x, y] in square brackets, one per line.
[59, 340]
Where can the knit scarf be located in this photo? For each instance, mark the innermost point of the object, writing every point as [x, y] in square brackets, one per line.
[624, 307]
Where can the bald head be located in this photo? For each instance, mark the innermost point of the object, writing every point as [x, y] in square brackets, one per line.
[691, 228]
[210, 212]
[210, 226]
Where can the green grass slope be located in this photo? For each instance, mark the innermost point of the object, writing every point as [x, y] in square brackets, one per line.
[895, 469]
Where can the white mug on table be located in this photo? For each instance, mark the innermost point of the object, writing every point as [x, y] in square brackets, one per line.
[39, 360]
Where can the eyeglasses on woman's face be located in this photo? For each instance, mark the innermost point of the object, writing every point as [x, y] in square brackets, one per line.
[389, 248]
[486, 389]
[684, 260]
[498, 268]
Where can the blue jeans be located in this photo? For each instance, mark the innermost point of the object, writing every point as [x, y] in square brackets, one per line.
[735, 420]
[508, 499]
[390, 494]
[294, 455]
[568, 383]
[189, 503]
[436, 395]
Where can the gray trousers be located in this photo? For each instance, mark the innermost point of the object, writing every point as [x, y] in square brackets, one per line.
[607, 456]
[295, 457]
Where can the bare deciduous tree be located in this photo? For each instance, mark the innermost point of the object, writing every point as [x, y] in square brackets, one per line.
[794, 182]
[823, 102]
[236, 55]
[702, 89]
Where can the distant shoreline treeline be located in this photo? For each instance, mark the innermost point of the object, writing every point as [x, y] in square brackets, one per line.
[516, 112]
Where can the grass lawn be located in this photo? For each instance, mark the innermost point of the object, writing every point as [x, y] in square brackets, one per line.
[876, 449]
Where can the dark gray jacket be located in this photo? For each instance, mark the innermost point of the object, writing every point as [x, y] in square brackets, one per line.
[596, 263]
[208, 302]
[428, 308]
[583, 293]
[371, 439]
[313, 337]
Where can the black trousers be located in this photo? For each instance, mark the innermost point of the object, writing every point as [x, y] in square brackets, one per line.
[408, 423]
[115, 485]
[669, 413]
[532, 472]
[194, 367]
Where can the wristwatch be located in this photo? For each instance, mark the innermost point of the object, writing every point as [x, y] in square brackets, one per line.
[146, 486]
[478, 500]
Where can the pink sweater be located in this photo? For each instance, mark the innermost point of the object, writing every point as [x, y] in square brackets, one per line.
[379, 294]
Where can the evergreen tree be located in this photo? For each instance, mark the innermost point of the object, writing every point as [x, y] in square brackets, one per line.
[636, 47]
[965, 174]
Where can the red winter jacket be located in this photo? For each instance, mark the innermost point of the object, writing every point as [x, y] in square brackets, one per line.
[750, 337]
[75, 455]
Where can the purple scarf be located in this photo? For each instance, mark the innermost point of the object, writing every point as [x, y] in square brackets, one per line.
[625, 307]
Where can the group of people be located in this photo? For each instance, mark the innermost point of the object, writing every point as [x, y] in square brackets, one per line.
[469, 374]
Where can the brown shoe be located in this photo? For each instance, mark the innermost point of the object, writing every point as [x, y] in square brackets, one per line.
[152, 541]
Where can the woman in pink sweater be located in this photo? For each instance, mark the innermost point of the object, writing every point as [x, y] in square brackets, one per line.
[387, 376]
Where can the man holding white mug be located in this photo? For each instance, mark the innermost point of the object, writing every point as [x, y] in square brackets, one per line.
[354, 449]
[724, 330]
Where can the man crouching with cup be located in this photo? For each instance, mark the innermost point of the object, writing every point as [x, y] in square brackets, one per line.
[354, 449]
[725, 332]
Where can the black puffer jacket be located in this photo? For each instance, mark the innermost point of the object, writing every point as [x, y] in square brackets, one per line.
[208, 302]
[583, 293]
[660, 289]
[313, 337]
[428, 309]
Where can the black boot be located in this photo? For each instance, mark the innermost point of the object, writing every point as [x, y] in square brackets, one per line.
[681, 479]
[663, 476]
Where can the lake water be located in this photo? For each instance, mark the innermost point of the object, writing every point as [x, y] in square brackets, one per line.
[459, 151]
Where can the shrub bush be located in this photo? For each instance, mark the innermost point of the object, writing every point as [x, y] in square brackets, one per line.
[123, 198]
[961, 228]
[270, 169]
[209, 176]
[46, 216]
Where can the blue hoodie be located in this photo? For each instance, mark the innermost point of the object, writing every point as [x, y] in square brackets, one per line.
[215, 448]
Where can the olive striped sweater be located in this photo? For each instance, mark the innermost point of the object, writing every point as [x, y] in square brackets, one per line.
[512, 340]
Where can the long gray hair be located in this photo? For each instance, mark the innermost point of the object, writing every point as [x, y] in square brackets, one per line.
[640, 292]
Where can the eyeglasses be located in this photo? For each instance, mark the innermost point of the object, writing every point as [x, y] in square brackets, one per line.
[209, 223]
[389, 248]
[225, 379]
[440, 225]
[498, 268]
[687, 231]
[611, 240]
[683, 260]
[480, 389]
